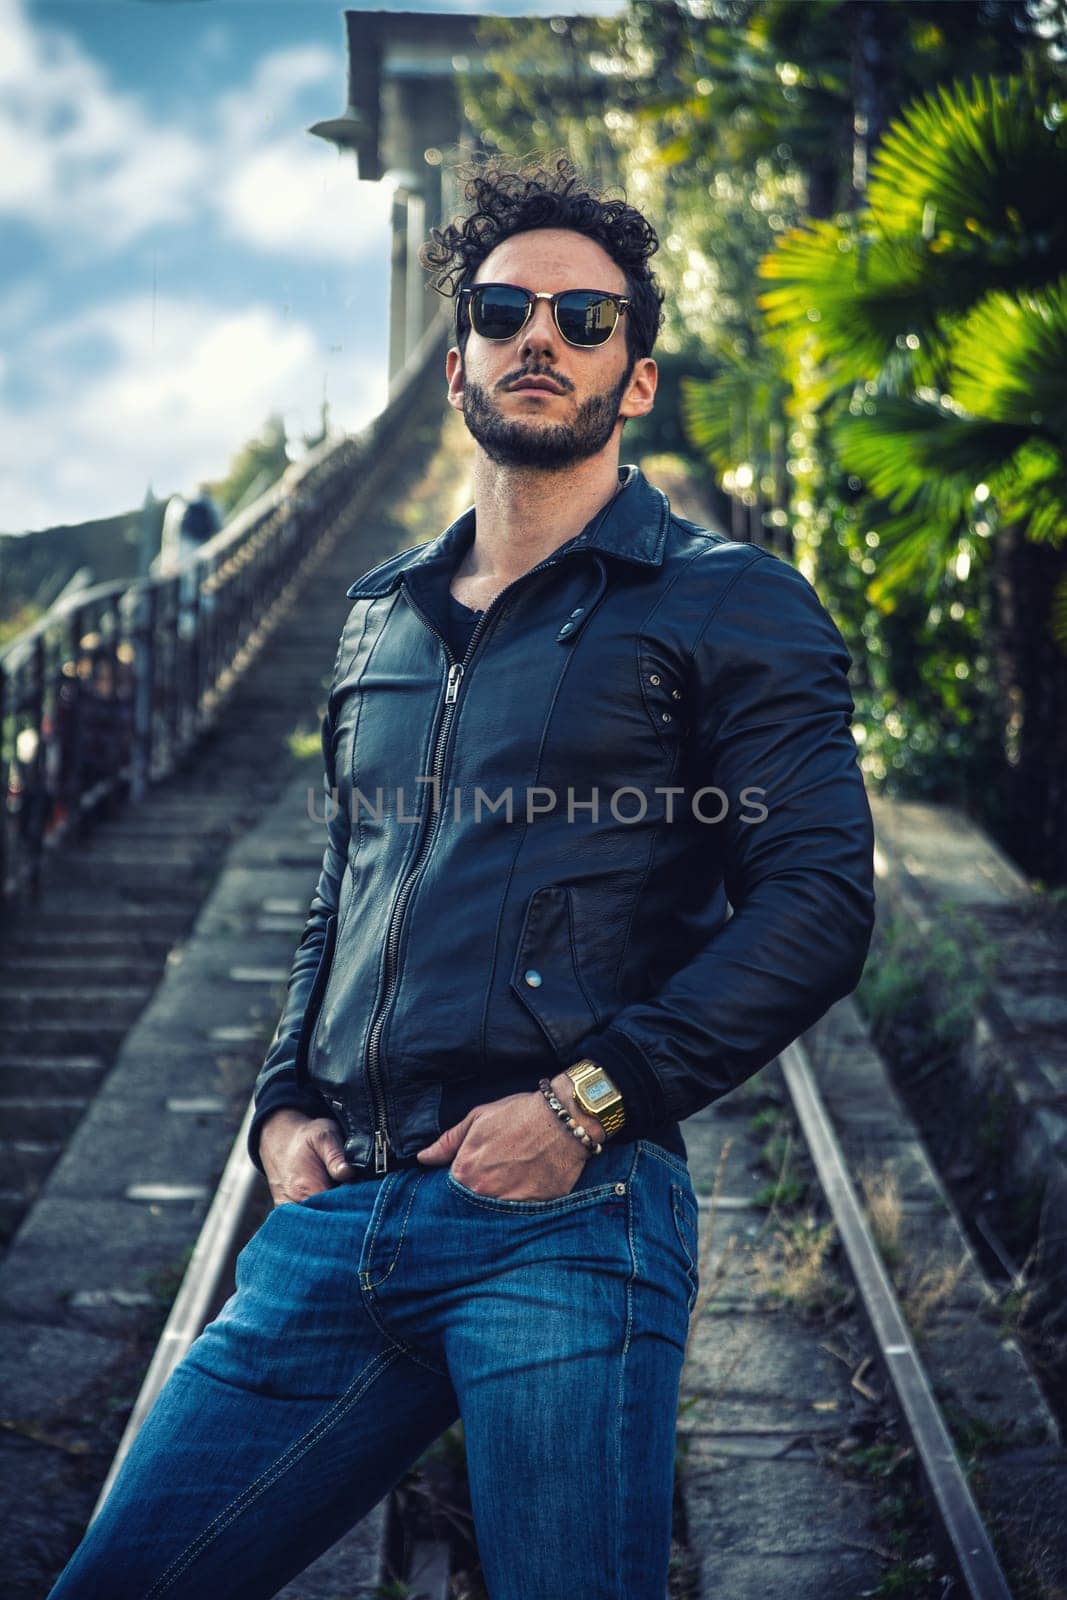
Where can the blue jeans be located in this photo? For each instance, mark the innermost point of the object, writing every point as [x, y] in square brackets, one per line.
[364, 1321]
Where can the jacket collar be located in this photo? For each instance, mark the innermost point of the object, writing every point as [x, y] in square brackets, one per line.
[632, 526]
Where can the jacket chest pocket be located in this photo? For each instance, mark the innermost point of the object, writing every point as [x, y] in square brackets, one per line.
[546, 974]
[663, 693]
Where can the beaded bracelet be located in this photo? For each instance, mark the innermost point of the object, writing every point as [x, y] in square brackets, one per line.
[564, 1115]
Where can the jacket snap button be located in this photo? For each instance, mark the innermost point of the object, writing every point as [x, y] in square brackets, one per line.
[620, 1188]
[676, 694]
[666, 716]
[654, 678]
[566, 628]
[577, 611]
[533, 977]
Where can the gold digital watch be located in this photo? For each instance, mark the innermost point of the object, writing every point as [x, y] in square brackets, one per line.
[597, 1095]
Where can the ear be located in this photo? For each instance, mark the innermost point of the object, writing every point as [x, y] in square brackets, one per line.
[454, 375]
[640, 394]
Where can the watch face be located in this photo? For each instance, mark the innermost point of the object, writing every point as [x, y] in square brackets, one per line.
[600, 1089]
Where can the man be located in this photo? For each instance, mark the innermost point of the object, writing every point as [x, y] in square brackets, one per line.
[560, 738]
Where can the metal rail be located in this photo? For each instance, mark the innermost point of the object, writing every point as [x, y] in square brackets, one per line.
[210, 1268]
[959, 1516]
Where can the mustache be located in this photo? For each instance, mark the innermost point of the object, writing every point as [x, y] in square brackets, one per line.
[539, 372]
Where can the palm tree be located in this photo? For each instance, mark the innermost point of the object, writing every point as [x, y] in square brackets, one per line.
[933, 326]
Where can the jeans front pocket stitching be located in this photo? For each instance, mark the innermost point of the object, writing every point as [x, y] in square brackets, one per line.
[365, 1276]
[531, 1208]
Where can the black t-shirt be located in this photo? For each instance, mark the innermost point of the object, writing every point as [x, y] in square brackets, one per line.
[462, 622]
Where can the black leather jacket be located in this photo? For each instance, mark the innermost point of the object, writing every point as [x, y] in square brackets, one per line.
[695, 690]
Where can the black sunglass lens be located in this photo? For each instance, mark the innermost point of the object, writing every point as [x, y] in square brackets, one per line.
[586, 318]
[497, 312]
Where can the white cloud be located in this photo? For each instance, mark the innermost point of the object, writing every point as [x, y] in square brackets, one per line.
[271, 92]
[287, 194]
[186, 383]
[291, 200]
[164, 389]
[20, 304]
[78, 159]
[88, 164]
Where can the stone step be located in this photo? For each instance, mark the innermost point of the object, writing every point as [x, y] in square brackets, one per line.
[213, 775]
[139, 875]
[211, 820]
[85, 970]
[19, 1002]
[152, 944]
[46, 1119]
[95, 1035]
[27, 1162]
[49, 1075]
[210, 813]
[128, 922]
[134, 855]
[101, 896]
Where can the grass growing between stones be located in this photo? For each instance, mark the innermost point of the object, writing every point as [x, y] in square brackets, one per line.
[922, 994]
[925, 1283]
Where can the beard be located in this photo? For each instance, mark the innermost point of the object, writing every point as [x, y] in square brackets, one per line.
[551, 447]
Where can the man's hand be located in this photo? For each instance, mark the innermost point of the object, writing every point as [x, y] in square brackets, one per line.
[302, 1155]
[516, 1148]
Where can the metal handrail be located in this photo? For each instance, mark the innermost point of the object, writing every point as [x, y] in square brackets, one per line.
[105, 694]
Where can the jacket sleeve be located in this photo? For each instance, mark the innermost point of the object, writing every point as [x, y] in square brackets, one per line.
[772, 710]
[277, 1083]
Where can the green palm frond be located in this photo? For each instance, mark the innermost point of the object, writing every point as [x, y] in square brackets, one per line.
[1032, 491]
[858, 297]
[1010, 359]
[914, 549]
[924, 463]
[911, 450]
[965, 201]
[712, 410]
[729, 417]
[981, 168]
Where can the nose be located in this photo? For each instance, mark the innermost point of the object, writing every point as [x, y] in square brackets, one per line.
[540, 336]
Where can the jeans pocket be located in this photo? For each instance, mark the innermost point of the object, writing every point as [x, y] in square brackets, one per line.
[582, 1194]
[684, 1208]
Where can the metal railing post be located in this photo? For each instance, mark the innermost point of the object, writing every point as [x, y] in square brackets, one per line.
[143, 684]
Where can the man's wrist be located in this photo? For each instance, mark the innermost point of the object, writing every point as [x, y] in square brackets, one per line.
[564, 1090]
[289, 1113]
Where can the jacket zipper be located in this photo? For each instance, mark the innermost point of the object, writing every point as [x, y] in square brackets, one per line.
[456, 669]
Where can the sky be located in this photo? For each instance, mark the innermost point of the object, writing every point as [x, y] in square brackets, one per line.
[179, 258]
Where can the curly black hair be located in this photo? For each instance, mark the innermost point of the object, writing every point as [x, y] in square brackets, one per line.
[507, 200]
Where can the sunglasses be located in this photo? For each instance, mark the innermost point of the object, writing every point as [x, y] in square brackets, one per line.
[584, 317]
